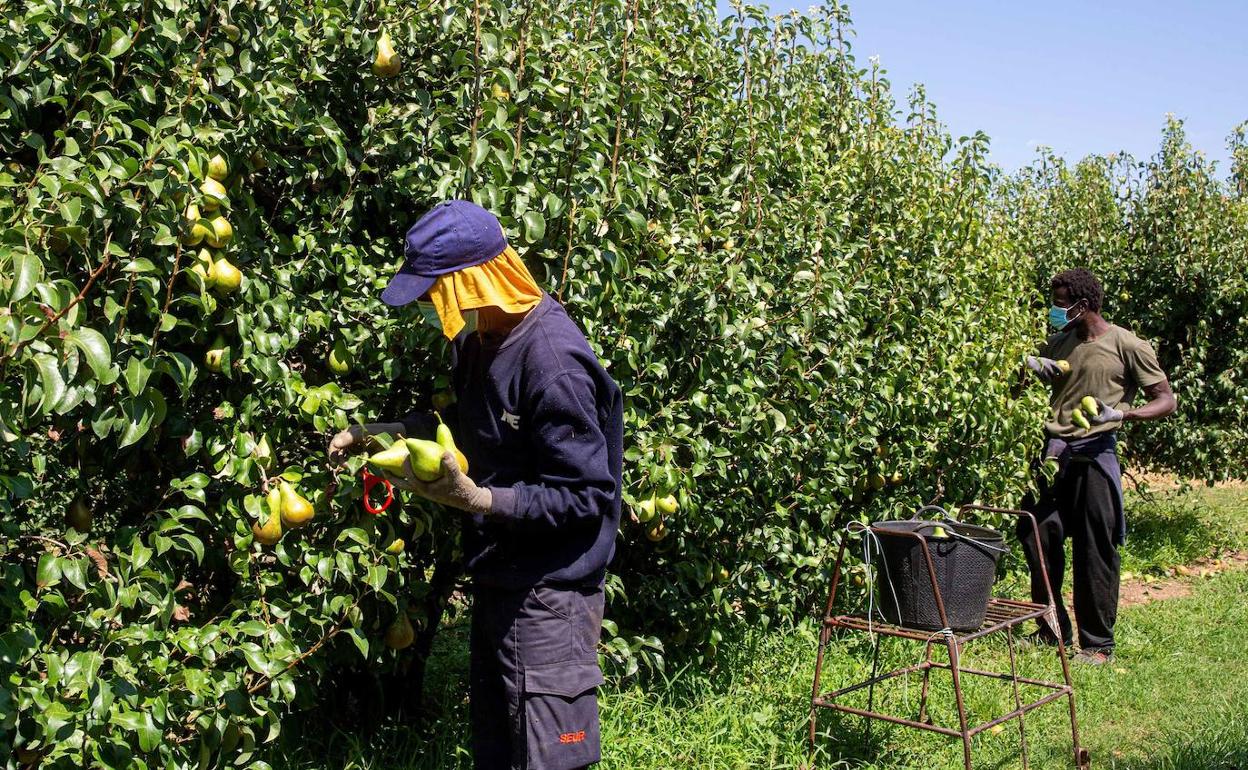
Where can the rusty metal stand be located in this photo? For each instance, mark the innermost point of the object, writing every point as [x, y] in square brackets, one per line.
[1004, 615]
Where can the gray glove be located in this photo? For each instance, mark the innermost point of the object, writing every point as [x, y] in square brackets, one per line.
[454, 489]
[1045, 369]
[1107, 414]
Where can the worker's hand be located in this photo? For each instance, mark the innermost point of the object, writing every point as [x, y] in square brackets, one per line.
[346, 443]
[1045, 369]
[454, 489]
[1107, 414]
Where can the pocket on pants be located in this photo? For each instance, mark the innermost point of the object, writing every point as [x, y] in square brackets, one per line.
[561, 715]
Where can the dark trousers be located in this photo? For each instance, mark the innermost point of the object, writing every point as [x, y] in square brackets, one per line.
[534, 678]
[1080, 504]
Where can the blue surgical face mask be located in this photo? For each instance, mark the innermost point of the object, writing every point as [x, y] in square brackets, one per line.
[1059, 317]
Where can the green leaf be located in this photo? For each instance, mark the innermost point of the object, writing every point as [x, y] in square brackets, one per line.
[118, 42]
[48, 572]
[534, 226]
[27, 269]
[95, 348]
[51, 381]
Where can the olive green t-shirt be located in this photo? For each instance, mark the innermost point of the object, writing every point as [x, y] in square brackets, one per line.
[1112, 368]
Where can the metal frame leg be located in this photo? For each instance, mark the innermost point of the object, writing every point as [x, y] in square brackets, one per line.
[955, 666]
[1018, 700]
[927, 675]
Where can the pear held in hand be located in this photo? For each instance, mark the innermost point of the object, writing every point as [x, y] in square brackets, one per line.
[271, 532]
[426, 458]
[447, 442]
[392, 460]
[386, 65]
[1089, 405]
[296, 510]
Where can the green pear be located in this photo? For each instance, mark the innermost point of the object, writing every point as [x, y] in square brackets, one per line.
[213, 358]
[224, 277]
[1064, 365]
[668, 504]
[646, 509]
[1089, 405]
[1078, 419]
[296, 510]
[271, 532]
[447, 442]
[218, 169]
[939, 532]
[262, 453]
[214, 194]
[426, 458]
[79, 515]
[222, 232]
[197, 230]
[393, 460]
[339, 358]
[386, 65]
[400, 634]
[396, 547]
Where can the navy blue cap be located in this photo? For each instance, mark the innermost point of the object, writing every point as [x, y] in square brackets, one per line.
[451, 236]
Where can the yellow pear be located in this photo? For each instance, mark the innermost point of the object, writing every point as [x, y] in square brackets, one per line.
[668, 504]
[386, 65]
[1064, 365]
[79, 515]
[224, 277]
[396, 547]
[1079, 420]
[271, 532]
[339, 358]
[213, 358]
[447, 442]
[197, 231]
[218, 169]
[214, 194]
[222, 232]
[296, 510]
[392, 460]
[426, 458]
[657, 533]
[400, 634]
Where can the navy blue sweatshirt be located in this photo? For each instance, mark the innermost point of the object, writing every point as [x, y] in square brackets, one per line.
[542, 425]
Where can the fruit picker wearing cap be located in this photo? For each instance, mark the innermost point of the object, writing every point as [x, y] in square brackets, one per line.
[1109, 365]
[541, 423]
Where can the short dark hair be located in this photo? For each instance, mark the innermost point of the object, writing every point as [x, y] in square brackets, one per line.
[1081, 285]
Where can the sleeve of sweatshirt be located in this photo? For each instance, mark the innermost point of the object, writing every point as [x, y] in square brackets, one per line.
[574, 479]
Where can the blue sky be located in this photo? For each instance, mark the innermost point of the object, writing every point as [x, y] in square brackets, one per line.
[1086, 77]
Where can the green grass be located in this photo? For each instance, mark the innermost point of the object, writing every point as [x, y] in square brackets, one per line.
[1176, 698]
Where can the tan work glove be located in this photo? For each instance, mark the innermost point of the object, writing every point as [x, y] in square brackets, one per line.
[454, 489]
